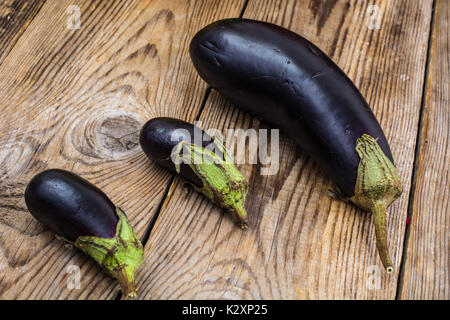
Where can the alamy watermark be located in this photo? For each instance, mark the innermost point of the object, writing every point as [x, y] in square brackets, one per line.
[374, 15]
[74, 18]
[373, 280]
[74, 279]
[234, 143]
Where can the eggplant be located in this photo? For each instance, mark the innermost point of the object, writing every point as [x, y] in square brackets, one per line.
[287, 81]
[82, 215]
[204, 162]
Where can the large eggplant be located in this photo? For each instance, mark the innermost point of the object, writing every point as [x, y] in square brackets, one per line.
[186, 149]
[287, 81]
[81, 214]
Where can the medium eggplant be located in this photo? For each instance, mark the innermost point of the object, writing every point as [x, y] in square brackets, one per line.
[82, 215]
[287, 81]
[189, 151]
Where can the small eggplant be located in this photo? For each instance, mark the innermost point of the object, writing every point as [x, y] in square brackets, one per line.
[82, 215]
[287, 81]
[189, 151]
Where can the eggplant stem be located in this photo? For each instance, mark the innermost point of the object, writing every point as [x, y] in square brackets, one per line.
[126, 282]
[379, 213]
[377, 186]
[241, 215]
[120, 256]
[222, 182]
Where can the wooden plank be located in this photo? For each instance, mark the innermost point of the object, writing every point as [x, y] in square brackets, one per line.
[426, 271]
[76, 99]
[15, 16]
[301, 243]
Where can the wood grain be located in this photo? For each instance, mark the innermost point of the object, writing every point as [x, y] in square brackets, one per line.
[426, 271]
[15, 16]
[76, 99]
[301, 243]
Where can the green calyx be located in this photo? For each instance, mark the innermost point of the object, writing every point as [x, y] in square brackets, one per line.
[377, 186]
[222, 182]
[120, 256]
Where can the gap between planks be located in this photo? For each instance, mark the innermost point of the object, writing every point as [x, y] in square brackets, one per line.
[419, 141]
[152, 221]
[413, 174]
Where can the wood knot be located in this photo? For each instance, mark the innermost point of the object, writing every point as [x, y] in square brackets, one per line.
[119, 134]
[108, 135]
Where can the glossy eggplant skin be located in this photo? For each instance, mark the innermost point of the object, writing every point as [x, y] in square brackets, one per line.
[168, 141]
[291, 84]
[159, 137]
[70, 205]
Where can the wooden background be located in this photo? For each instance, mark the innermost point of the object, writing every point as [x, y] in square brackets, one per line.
[76, 99]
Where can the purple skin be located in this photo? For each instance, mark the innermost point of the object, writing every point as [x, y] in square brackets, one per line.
[291, 84]
[70, 205]
[159, 136]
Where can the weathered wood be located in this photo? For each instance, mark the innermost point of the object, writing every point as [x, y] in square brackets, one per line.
[15, 16]
[76, 99]
[301, 243]
[426, 271]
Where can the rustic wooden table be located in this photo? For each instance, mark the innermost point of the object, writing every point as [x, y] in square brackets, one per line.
[75, 98]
